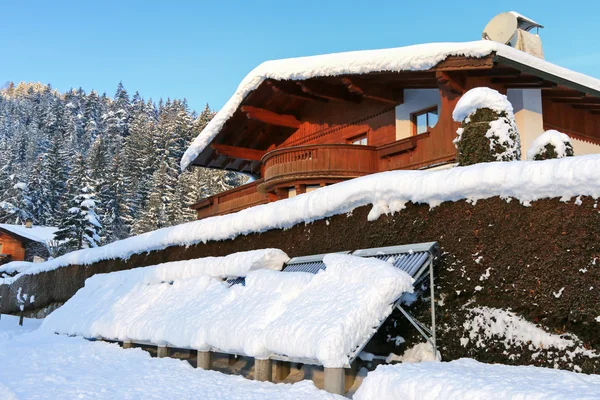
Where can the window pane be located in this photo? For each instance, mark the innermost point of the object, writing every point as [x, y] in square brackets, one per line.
[361, 141]
[432, 118]
[421, 121]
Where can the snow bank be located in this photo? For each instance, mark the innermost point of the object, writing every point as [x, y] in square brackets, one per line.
[9, 328]
[557, 139]
[410, 58]
[388, 192]
[53, 367]
[485, 323]
[418, 353]
[469, 379]
[323, 316]
[481, 97]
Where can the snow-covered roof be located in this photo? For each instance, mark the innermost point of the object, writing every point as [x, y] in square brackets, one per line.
[388, 192]
[410, 58]
[41, 234]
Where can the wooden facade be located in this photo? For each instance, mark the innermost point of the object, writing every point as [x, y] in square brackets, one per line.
[12, 247]
[295, 136]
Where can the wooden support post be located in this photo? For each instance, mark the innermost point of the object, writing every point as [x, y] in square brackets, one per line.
[335, 380]
[281, 370]
[162, 352]
[203, 359]
[127, 344]
[263, 370]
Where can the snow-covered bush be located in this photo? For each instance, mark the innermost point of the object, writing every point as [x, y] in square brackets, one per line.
[550, 144]
[488, 131]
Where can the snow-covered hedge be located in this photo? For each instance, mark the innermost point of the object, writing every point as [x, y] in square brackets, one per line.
[469, 379]
[550, 144]
[323, 316]
[388, 192]
[488, 131]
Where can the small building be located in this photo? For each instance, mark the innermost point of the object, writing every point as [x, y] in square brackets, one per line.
[300, 124]
[25, 242]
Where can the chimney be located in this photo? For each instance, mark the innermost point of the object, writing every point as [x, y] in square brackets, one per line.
[28, 223]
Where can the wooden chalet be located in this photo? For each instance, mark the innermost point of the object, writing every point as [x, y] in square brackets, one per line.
[24, 242]
[296, 135]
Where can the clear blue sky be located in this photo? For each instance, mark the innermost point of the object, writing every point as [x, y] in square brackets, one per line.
[201, 50]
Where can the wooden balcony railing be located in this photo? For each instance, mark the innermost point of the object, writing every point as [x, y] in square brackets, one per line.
[231, 200]
[314, 164]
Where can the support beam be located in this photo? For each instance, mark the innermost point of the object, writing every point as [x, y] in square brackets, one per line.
[291, 89]
[263, 370]
[281, 370]
[450, 81]
[563, 94]
[579, 101]
[270, 117]
[241, 153]
[334, 380]
[162, 352]
[330, 92]
[374, 91]
[127, 344]
[203, 360]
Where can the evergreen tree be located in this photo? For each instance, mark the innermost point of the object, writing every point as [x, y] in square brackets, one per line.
[81, 227]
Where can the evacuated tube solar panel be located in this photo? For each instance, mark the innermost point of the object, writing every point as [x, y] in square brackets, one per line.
[312, 267]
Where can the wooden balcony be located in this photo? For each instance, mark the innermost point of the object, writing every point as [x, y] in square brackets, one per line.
[297, 169]
[319, 164]
[231, 200]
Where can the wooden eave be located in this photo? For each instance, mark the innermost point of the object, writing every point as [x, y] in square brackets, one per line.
[273, 111]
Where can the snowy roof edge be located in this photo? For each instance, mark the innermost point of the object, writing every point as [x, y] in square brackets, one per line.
[410, 58]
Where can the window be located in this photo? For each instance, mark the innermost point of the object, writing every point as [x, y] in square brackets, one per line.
[424, 120]
[359, 140]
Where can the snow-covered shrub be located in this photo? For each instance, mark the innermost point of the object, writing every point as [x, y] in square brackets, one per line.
[488, 131]
[550, 144]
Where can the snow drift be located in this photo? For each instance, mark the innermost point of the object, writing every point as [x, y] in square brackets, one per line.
[322, 317]
[469, 379]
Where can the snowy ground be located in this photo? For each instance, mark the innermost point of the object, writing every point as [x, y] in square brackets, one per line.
[47, 366]
[469, 379]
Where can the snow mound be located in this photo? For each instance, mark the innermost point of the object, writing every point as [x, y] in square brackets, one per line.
[323, 316]
[486, 323]
[557, 139]
[481, 97]
[410, 58]
[418, 353]
[469, 379]
[388, 192]
[53, 367]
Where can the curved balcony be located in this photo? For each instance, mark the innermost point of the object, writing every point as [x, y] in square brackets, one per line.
[316, 164]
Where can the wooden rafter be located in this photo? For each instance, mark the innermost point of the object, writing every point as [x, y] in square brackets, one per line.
[270, 117]
[450, 80]
[238, 152]
[374, 91]
[579, 101]
[329, 91]
[563, 94]
[292, 90]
